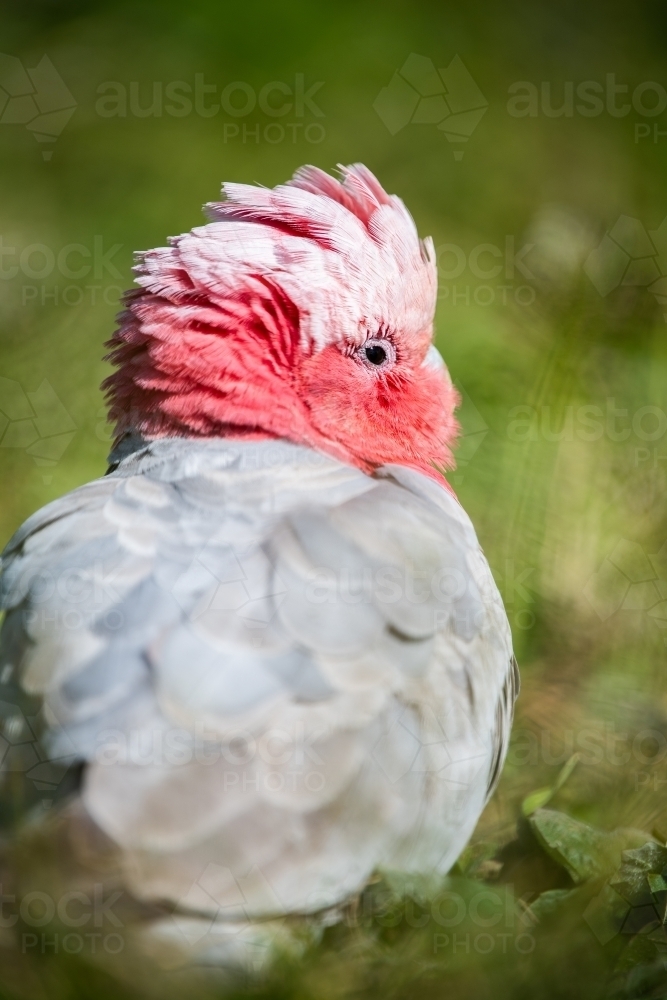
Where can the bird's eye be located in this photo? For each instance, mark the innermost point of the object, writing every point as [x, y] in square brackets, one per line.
[378, 352]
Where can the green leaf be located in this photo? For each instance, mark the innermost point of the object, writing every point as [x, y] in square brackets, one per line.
[583, 851]
[473, 857]
[400, 885]
[656, 882]
[549, 902]
[538, 799]
[605, 914]
[640, 871]
[574, 845]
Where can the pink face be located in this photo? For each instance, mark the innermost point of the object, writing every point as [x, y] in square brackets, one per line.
[389, 400]
[239, 327]
[382, 402]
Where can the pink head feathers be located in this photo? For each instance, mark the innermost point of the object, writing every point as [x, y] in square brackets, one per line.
[303, 312]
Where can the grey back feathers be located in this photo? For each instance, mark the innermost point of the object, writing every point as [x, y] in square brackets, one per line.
[275, 669]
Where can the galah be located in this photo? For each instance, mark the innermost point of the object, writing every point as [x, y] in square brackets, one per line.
[268, 635]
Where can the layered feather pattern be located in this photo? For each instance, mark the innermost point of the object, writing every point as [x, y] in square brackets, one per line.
[257, 676]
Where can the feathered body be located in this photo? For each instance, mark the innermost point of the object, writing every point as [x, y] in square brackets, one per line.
[269, 633]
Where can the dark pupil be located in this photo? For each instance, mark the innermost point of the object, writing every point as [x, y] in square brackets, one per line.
[376, 355]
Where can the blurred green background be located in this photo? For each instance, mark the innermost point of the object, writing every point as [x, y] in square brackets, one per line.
[552, 318]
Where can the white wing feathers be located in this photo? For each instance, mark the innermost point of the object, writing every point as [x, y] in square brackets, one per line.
[277, 670]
